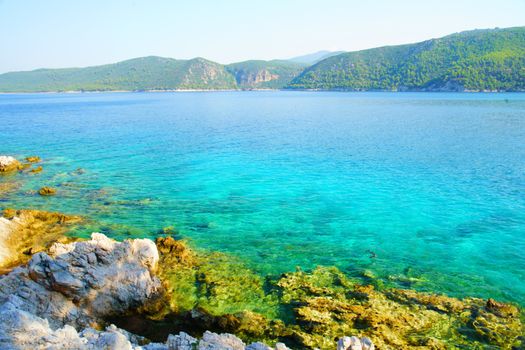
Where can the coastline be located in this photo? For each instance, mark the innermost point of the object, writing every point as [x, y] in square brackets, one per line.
[203, 291]
[73, 92]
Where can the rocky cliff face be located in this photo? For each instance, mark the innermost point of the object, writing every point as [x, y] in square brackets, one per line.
[253, 78]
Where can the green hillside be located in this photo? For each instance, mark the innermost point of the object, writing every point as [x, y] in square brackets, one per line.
[273, 74]
[476, 60]
[479, 60]
[147, 73]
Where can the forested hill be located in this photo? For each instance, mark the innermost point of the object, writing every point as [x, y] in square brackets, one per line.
[479, 60]
[146, 73]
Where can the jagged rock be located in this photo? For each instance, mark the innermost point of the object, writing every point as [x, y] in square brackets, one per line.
[354, 343]
[8, 164]
[258, 346]
[182, 341]
[224, 341]
[80, 283]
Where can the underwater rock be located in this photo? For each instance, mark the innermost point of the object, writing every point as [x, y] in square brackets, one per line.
[327, 304]
[8, 164]
[33, 159]
[60, 295]
[23, 232]
[9, 187]
[36, 170]
[47, 191]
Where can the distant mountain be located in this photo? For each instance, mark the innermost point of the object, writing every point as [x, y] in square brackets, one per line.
[147, 73]
[273, 74]
[315, 57]
[479, 60]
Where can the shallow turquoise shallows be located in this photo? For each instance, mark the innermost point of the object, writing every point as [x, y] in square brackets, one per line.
[425, 191]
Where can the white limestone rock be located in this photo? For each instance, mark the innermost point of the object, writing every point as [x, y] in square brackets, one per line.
[224, 341]
[355, 343]
[80, 283]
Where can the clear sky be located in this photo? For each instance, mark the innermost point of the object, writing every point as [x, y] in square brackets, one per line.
[70, 33]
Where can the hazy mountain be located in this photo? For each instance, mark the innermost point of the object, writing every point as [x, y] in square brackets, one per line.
[315, 57]
[476, 60]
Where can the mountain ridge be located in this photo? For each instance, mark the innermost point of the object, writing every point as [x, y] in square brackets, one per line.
[476, 60]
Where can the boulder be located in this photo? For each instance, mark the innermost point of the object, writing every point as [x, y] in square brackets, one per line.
[78, 284]
[47, 191]
[8, 164]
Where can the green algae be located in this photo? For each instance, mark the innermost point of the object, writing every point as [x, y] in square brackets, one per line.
[214, 283]
[310, 309]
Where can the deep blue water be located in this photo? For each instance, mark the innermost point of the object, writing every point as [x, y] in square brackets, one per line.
[431, 184]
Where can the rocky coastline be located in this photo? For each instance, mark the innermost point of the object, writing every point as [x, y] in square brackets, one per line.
[60, 292]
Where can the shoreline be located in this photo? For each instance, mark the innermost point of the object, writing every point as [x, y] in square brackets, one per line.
[74, 92]
[198, 291]
[204, 292]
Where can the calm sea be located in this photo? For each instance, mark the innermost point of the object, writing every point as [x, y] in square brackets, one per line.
[422, 190]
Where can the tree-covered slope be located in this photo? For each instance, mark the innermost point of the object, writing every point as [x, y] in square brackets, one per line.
[273, 74]
[475, 60]
[147, 73]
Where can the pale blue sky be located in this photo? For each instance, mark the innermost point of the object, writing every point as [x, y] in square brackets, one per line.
[68, 33]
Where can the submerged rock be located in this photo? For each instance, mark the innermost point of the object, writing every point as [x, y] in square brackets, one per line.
[36, 170]
[67, 295]
[9, 187]
[8, 164]
[327, 304]
[33, 159]
[24, 232]
[47, 191]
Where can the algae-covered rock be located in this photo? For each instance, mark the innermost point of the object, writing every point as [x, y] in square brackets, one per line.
[33, 159]
[36, 170]
[47, 191]
[8, 164]
[310, 309]
[24, 232]
[215, 283]
[326, 304]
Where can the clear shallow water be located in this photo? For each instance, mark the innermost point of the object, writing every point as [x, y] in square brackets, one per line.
[432, 184]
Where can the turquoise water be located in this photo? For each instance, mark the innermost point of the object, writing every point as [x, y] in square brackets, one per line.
[423, 190]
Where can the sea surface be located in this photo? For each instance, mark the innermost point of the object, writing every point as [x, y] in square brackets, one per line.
[421, 190]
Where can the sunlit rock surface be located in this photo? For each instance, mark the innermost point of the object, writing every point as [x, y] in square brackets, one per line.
[26, 232]
[8, 164]
[78, 284]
